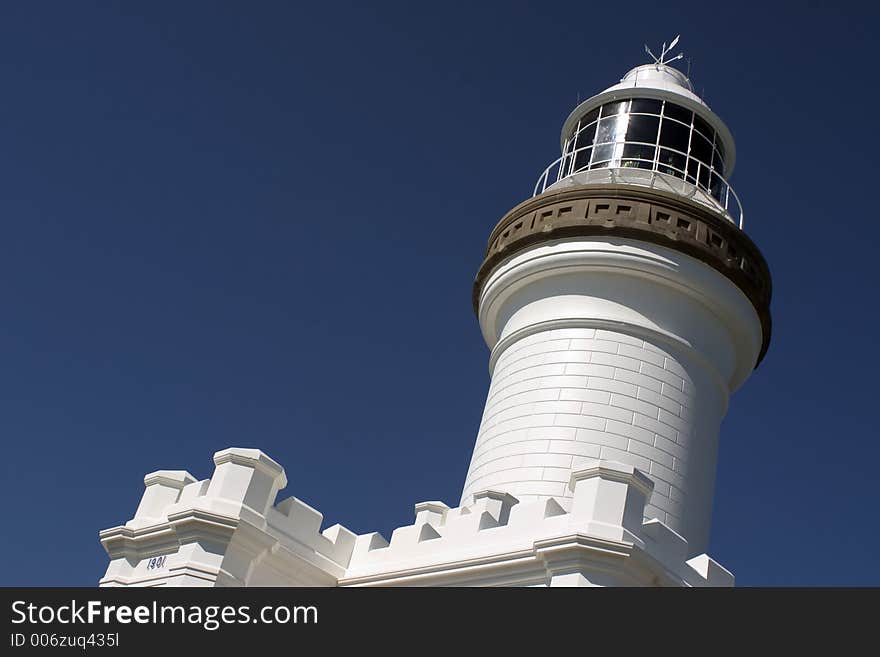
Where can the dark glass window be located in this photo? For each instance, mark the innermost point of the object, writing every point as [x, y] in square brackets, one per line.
[617, 107]
[563, 168]
[673, 163]
[674, 135]
[589, 117]
[719, 147]
[677, 113]
[585, 136]
[704, 176]
[718, 187]
[642, 128]
[704, 128]
[718, 163]
[624, 133]
[639, 151]
[582, 159]
[692, 170]
[645, 106]
[607, 130]
[698, 172]
[701, 149]
[602, 154]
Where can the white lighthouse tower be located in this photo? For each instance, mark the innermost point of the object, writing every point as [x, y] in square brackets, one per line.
[623, 304]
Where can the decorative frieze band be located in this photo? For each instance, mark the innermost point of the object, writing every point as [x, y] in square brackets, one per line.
[630, 211]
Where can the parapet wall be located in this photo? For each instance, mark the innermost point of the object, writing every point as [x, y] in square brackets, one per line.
[228, 531]
[225, 531]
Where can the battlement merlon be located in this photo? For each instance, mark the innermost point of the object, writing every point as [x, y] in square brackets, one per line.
[226, 530]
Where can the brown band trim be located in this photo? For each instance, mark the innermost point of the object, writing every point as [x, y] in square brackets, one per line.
[642, 213]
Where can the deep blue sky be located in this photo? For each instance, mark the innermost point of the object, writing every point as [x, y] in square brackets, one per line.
[257, 224]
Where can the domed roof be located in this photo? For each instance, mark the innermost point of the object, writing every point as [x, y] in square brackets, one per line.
[660, 77]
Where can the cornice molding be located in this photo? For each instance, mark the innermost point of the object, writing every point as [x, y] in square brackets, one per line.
[640, 213]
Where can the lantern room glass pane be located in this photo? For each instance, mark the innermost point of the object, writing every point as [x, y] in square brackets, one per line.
[617, 107]
[704, 177]
[718, 187]
[646, 106]
[718, 163]
[701, 149]
[720, 148]
[672, 163]
[678, 113]
[642, 128]
[674, 135]
[602, 155]
[585, 136]
[704, 128]
[641, 152]
[563, 168]
[589, 117]
[648, 134]
[586, 120]
[582, 159]
[609, 129]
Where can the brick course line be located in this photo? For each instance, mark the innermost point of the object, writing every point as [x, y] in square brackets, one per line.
[566, 399]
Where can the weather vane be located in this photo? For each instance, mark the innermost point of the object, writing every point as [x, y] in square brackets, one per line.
[661, 60]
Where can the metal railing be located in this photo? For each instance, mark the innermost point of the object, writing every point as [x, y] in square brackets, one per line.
[718, 194]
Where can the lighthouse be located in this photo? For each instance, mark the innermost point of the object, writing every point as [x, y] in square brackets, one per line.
[622, 304]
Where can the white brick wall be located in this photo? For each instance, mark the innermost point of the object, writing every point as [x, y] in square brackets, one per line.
[561, 398]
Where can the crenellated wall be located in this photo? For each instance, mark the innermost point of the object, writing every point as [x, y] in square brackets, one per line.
[228, 531]
[225, 531]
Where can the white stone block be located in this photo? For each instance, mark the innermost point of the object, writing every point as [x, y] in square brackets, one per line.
[711, 571]
[557, 474]
[611, 385]
[193, 491]
[660, 401]
[655, 426]
[624, 456]
[342, 543]
[650, 453]
[590, 369]
[162, 489]
[602, 438]
[641, 354]
[432, 513]
[629, 403]
[247, 477]
[669, 446]
[585, 395]
[665, 545]
[609, 499]
[584, 333]
[639, 380]
[491, 508]
[675, 394]
[629, 431]
[579, 421]
[674, 421]
[550, 460]
[553, 433]
[573, 448]
[300, 518]
[614, 360]
[615, 336]
[661, 375]
[606, 346]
